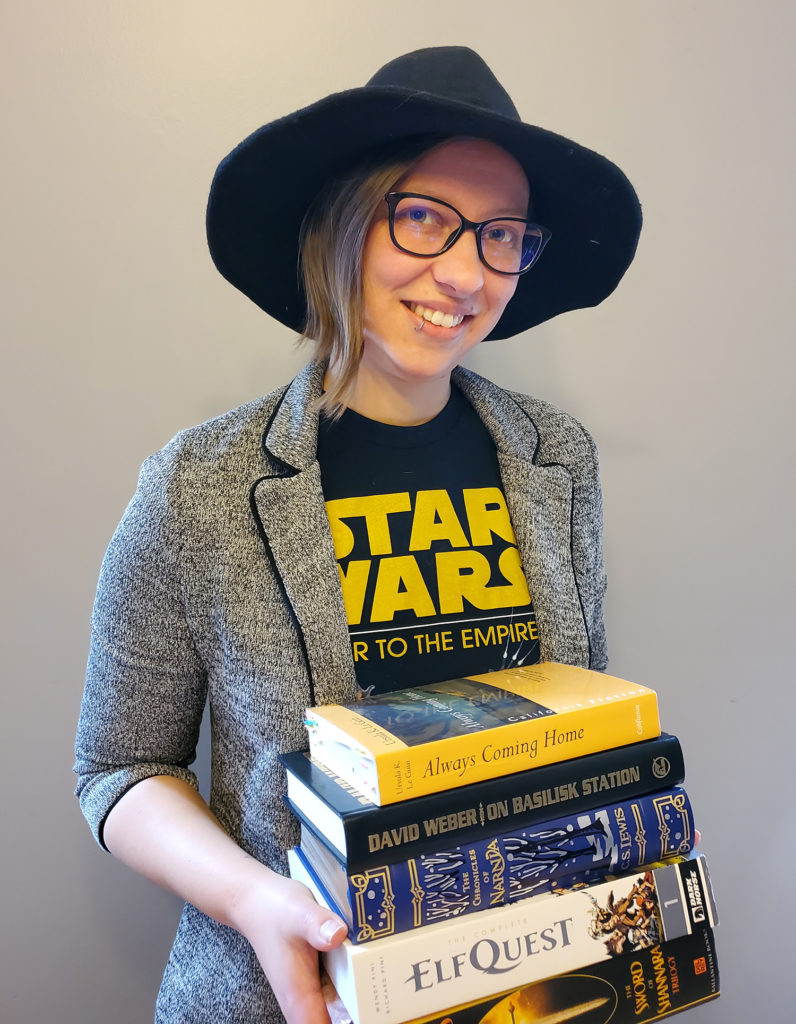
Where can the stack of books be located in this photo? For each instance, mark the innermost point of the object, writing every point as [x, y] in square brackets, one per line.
[509, 847]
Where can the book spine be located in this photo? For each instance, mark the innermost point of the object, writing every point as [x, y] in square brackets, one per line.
[458, 760]
[422, 972]
[652, 984]
[576, 849]
[386, 835]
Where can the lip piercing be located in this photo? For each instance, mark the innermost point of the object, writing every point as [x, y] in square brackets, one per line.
[420, 326]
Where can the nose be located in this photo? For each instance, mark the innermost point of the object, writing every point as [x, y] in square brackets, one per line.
[459, 271]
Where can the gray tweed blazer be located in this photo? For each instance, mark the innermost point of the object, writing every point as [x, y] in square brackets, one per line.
[220, 583]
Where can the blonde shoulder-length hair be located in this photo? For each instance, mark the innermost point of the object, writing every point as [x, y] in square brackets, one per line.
[331, 245]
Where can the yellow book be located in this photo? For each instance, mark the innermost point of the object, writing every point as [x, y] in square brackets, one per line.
[426, 739]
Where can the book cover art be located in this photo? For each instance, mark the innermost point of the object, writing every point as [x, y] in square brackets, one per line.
[566, 851]
[424, 971]
[362, 834]
[426, 739]
[654, 983]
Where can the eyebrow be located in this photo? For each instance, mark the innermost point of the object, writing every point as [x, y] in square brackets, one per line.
[432, 194]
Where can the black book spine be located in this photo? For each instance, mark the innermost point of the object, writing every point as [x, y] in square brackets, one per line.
[396, 832]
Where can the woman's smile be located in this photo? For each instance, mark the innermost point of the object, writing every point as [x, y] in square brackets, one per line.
[436, 316]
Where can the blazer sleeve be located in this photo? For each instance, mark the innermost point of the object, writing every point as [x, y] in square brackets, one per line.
[145, 684]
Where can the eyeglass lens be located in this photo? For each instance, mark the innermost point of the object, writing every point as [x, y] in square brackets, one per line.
[423, 227]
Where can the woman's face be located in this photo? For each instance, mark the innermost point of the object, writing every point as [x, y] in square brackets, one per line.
[481, 181]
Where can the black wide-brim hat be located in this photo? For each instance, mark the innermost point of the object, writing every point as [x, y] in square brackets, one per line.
[263, 188]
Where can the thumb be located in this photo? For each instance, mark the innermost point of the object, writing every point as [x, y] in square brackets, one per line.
[332, 932]
[320, 927]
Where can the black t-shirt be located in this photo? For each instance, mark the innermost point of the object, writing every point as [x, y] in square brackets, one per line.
[429, 566]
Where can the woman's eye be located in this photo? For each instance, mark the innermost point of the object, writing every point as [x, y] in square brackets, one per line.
[501, 235]
[418, 215]
[421, 216]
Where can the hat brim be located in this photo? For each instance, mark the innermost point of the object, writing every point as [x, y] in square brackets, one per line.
[263, 188]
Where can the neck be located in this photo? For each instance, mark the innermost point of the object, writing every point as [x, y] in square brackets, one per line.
[396, 402]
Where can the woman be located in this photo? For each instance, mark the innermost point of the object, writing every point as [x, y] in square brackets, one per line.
[386, 518]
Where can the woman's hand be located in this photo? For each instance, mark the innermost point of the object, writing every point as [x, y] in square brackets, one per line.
[287, 929]
[163, 829]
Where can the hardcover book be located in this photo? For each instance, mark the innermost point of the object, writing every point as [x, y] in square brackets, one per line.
[424, 971]
[652, 984]
[362, 834]
[510, 866]
[409, 743]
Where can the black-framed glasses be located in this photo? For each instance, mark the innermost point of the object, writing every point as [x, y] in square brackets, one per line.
[424, 226]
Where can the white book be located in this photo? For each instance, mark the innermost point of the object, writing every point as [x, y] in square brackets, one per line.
[433, 968]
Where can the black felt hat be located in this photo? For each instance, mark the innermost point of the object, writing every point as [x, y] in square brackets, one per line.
[262, 190]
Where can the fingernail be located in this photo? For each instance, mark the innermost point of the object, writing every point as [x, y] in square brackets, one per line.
[330, 928]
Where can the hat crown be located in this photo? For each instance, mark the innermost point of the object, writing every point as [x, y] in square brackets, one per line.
[454, 73]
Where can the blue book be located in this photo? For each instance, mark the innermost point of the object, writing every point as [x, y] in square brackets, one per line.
[564, 852]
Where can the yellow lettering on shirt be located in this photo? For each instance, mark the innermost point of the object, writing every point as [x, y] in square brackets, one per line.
[465, 574]
[487, 514]
[516, 591]
[399, 586]
[435, 519]
[375, 509]
[354, 583]
[461, 574]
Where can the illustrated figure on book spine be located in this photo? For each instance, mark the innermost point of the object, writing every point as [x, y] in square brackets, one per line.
[387, 518]
[630, 922]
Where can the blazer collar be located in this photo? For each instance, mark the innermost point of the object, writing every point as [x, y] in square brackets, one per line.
[291, 435]
[512, 430]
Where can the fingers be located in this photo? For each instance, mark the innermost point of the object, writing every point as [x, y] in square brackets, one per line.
[301, 1005]
[296, 985]
[291, 965]
[290, 930]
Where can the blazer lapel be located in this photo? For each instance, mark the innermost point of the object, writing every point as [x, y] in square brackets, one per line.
[296, 531]
[539, 499]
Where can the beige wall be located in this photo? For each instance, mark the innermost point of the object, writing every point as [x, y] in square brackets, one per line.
[117, 331]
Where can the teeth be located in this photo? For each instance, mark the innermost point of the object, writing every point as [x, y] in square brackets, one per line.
[436, 316]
